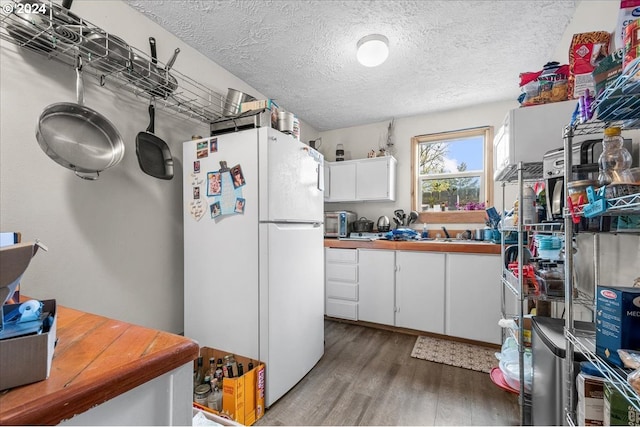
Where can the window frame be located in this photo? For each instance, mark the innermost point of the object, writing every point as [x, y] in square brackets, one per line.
[449, 217]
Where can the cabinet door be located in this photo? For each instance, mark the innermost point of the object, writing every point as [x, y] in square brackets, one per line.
[372, 178]
[342, 181]
[473, 297]
[420, 291]
[376, 283]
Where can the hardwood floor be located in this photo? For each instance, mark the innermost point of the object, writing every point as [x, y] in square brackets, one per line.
[368, 377]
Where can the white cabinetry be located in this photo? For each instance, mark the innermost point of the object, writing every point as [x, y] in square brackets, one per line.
[473, 297]
[420, 289]
[376, 286]
[341, 283]
[342, 181]
[361, 180]
[443, 293]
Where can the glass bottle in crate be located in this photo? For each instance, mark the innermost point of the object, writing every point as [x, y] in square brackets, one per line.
[211, 371]
[214, 400]
[199, 376]
[219, 374]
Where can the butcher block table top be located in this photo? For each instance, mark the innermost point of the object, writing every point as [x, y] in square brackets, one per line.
[428, 246]
[95, 360]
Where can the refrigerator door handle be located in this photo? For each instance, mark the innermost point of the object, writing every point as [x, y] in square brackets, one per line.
[320, 170]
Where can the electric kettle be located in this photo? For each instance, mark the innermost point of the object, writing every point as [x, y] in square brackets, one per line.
[383, 224]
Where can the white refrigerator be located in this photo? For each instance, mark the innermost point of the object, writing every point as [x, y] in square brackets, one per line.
[253, 251]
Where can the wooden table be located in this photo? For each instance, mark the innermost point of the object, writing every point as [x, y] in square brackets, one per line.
[96, 359]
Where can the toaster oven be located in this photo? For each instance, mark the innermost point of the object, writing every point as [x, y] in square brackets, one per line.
[339, 223]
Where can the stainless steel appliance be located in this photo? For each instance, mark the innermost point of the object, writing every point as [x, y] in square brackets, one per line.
[548, 353]
[584, 162]
[339, 223]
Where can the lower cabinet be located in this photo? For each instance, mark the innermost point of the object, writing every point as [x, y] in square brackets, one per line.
[420, 289]
[454, 294]
[341, 283]
[376, 286]
[473, 297]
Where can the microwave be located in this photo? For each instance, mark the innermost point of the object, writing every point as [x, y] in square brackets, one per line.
[527, 133]
[339, 223]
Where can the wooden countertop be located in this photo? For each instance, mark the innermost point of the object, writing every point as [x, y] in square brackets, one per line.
[429, 246]
[96, 359]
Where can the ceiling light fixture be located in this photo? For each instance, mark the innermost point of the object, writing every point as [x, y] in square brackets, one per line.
[373, 50]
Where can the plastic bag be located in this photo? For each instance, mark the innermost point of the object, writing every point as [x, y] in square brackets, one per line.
[630, 358]
[544, 86]
[634, 380]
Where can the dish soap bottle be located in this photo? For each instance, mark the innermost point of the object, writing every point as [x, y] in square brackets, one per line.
[425, 233]
[615, 161]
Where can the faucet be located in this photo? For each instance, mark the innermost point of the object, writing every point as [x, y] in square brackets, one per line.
[446, 233]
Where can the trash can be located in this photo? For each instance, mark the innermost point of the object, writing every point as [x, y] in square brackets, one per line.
[548, 348]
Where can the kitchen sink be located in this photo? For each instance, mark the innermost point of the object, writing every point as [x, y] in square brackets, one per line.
[450, 241]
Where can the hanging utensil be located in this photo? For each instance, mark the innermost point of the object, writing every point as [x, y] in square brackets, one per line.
[78, 137]
[154, 156]
[163, 83]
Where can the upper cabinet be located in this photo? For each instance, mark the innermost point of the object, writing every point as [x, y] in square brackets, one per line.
[361, 180]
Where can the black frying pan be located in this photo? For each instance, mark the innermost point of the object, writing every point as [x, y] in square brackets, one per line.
[154, 156]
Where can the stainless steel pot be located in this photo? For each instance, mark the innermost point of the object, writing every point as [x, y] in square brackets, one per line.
[233, 102]
[108, 53]
[363, 225]
[383, 224]
[77, 137]
[285, 121]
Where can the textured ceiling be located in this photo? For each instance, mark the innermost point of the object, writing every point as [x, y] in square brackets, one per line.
[443, 54]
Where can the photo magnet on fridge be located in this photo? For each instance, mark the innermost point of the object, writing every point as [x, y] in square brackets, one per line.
[215, 209]
[202, 150]
[239, 205]
[213, 145]
[238, 177]
[214, 183]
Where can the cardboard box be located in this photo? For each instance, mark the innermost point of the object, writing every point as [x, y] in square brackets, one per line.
[617, 321]
[242, 397]
[590, 408]
[211, 415]
[617, 409]
[260, 104]
[27, 359]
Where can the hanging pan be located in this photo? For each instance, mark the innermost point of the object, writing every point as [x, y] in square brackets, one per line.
[154, 156]
[77, 137]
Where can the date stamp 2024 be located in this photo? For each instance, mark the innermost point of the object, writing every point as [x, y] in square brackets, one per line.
[23, 8]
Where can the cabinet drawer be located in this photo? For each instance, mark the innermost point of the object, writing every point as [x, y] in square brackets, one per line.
[342, 309]
[342, 272]
[342, 290]
[342, 255]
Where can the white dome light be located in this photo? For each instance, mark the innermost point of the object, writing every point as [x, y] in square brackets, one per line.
[373, 50]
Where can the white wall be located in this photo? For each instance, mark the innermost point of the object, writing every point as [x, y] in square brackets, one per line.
[358, 141]
[116, 244]
[591, 15]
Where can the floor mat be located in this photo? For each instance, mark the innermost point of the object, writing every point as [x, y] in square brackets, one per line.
[462, 355]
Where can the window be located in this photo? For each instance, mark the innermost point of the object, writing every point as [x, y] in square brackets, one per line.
[452, 175]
